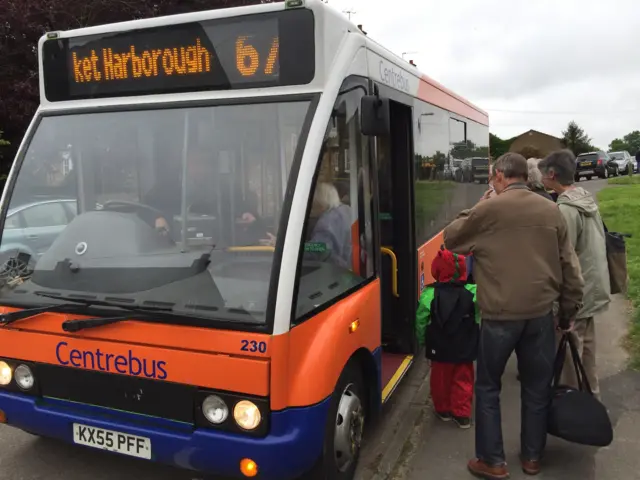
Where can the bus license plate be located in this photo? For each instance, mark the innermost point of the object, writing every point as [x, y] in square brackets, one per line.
[102, 439]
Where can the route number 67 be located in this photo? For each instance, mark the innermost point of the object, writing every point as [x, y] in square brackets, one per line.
[248, 58]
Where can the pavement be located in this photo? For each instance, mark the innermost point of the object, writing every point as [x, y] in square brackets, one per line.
[441, 450]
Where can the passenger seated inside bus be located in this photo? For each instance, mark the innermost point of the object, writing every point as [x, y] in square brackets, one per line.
[332, 230]
[204, 200]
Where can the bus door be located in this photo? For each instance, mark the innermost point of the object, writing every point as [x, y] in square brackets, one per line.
[397, 245]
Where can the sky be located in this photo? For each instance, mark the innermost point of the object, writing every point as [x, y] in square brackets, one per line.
[531, 64]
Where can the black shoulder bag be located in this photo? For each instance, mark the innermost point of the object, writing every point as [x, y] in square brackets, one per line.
[576, 415]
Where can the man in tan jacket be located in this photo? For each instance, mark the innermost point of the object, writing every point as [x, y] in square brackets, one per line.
[524, 262]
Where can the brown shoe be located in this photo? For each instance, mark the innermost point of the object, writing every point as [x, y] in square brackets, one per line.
[531, 467]
[483, 470]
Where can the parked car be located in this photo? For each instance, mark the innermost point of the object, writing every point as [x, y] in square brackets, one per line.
[476, 169]
[595, 164]
[624, 161]
[29, 231]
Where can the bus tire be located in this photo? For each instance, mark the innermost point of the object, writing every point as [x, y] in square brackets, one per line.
[344, 428]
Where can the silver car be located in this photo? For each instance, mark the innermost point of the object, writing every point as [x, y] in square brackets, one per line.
[624, 161]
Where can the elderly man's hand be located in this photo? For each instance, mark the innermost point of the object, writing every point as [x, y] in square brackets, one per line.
[566, 325]
[488, 194]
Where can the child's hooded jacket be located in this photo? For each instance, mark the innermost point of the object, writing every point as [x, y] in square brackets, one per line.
[447, 321]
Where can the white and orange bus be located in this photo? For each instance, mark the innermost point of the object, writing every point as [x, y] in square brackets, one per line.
[214, 236]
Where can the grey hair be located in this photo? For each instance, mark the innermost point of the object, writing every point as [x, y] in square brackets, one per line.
[326, 196]
[535, 175]
[563, 164]
[512, 165]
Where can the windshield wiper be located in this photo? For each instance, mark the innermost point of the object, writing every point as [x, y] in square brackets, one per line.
[11, 317]
[72, 305]
[90, 302]
[137, 312]
[80, 324]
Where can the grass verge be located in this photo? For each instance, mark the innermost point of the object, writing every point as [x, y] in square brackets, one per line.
[620, 209]
[625, 180]
[429, 197]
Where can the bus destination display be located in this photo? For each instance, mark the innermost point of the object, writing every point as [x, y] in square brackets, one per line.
[247, 52]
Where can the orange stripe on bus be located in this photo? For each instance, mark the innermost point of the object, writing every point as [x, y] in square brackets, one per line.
[426, 254]
[215, 371]
[153, 334]
[432, 92]
[307, 362]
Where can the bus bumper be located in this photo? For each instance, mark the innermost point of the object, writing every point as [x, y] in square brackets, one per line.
[292, 447]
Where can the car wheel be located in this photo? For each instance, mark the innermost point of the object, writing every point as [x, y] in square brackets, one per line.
[344, 428]
[589, 177]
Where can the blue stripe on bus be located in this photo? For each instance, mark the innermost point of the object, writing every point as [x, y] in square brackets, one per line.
[377, 357]
[292, 447]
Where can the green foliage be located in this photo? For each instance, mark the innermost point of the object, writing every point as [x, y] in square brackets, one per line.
[429, 198]
[620, 209]
[468, 149]
[498, 146]
[624, 180]
[618, 145]
[575, 139]
[630, 142]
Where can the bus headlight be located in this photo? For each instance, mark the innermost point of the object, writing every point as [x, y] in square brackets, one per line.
[215, 410]
[247, 415]
[5, 374]
[24, 377]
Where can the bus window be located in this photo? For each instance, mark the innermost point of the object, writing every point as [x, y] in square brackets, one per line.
[159, 191]
[338, 250]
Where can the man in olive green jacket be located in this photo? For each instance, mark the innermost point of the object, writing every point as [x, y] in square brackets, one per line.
[586, 232]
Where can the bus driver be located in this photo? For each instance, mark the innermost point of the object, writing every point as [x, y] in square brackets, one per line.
[202, 198]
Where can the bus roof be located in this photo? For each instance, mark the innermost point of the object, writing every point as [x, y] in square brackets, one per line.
[331, 28]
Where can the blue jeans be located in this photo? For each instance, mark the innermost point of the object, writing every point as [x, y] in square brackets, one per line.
[535, 345]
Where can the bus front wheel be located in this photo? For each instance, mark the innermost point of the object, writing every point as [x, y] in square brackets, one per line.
[344, 428]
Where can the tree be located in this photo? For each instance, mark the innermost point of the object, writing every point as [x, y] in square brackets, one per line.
[25, 21]
[618, 145]
[630, 142]
[575, 139]
[498, 146]
[633, 141]
[529, 151]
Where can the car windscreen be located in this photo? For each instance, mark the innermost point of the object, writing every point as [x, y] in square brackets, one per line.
[174, 207]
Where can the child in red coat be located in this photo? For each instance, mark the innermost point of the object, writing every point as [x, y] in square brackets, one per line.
[448, 325]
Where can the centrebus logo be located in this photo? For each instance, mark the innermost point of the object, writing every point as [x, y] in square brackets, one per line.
[395, 78]
[128, 364]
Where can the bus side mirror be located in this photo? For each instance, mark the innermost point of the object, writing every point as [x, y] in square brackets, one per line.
[375, 116]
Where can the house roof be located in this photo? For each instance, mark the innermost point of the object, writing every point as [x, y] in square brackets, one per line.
[535, 131]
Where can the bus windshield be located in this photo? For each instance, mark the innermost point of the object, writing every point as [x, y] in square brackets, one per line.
[177, 208]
